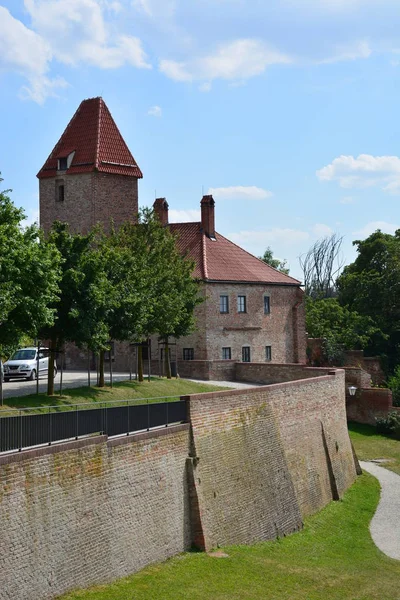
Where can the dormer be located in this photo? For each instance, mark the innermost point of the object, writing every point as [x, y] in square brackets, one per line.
[64, 162]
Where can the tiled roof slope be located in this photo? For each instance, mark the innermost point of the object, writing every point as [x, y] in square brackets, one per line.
[222, 260]
[97, 142]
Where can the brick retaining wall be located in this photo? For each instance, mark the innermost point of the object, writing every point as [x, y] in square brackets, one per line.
[252, 464]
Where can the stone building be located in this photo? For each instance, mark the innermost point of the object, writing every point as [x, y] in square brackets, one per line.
[252, 312]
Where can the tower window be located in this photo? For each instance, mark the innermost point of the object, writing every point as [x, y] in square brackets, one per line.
[268, 353]
[60, 191]
[63, 164]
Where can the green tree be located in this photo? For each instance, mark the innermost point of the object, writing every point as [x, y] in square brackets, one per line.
[174, 291]
[341, 328]
[83, 291]
[29, 275]
[154, 292]
[280, 265]
[371, 286]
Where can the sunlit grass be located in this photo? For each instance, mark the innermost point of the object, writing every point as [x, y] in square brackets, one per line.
[120, 392]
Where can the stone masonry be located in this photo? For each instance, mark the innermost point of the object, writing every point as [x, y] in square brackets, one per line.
[250, 466]
[89, 198]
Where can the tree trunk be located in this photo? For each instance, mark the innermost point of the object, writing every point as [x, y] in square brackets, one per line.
[167, 361]
[140, 363]
[50, 375]
[101, 368]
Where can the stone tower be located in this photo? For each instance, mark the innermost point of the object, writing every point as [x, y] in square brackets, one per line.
[90, 176]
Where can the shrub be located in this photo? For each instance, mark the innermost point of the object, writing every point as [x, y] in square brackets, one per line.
[394, 384]
[389, 425]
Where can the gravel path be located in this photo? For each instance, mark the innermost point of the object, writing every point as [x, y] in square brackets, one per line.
[385, 525]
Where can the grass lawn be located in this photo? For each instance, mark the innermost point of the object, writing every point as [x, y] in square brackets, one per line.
[370, 445]
[333, 558]
[121, 391]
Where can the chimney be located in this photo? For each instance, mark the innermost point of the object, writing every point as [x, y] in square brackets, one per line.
[160, 207]
[207, 216]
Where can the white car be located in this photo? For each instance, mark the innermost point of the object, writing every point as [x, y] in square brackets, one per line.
[25, 363]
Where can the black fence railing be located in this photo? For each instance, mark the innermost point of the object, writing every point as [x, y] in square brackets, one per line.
[26, 429]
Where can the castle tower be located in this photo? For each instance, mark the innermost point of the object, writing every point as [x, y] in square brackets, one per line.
[90, 176]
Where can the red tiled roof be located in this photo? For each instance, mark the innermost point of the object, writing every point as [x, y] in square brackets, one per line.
[97, 142]
[222, 260]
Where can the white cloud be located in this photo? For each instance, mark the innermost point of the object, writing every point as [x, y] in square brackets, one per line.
[77, 31]
[373, 226]
[27, 53]
[70, 31]
[183, 216]
[347, 200]
[238, 60]
[359, 49]
[321, 230]
[240, 192]
[364, 171]
[155, 111]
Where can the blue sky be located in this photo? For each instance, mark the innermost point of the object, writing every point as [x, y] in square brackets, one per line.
[286, 110]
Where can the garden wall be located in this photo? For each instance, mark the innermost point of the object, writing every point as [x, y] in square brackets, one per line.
[251, 464]
[265, 457]
[90, 511]
[369, 404]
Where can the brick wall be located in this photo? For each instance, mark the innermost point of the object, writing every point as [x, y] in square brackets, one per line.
[265, 457]
[276, 373]
[91, 511]
[253, 463]
[357, 377]
[89, 198]
[283, 329]
[368, 404]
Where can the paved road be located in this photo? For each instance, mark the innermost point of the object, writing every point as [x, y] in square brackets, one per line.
[71, 379]
[385, 525]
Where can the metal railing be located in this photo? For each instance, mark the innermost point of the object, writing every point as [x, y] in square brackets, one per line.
[26, 428]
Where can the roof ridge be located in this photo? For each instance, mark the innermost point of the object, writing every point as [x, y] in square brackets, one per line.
[186, 223]
[259, 259]
[96, 160]
[204, 254]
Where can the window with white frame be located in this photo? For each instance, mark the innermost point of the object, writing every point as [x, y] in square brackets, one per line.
[241, 304]
[267, 305]
[246, 354]
[224, 304]
[188, 354]
[268, 353]
[226, 353]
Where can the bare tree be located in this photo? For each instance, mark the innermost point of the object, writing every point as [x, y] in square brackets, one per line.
[321, 266]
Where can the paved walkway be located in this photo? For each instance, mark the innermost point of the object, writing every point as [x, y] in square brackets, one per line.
[385, 525]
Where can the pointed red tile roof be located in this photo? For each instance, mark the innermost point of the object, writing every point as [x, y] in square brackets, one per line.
[98, 145]
[222, 260]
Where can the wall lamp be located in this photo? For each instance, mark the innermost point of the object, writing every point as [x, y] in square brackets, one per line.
[352, 390]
